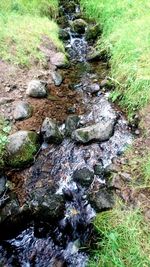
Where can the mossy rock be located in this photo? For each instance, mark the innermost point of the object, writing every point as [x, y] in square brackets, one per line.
[21, 148]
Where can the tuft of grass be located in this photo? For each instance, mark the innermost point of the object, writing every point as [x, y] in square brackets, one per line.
[126, 37]
[24, 25]
[124, 239]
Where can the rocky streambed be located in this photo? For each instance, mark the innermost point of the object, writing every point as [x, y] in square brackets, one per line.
[47, 207]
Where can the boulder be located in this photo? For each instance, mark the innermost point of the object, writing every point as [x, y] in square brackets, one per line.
[92, 32]
[100, 131]
[37, 89]
[83, 176]
[60, 60]
[23, 110]
[79, 25]
[51, 132]
[71, 124]
[21, 148]
[57, 78]
[102, 199]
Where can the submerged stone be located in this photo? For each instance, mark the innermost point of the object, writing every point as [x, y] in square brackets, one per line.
[83, 176]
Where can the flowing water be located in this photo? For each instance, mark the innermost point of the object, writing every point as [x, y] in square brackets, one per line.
[63, 244]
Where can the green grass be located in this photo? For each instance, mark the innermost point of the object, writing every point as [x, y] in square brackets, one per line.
[23, 26]
[124, 240]
[126, 37]
[4, 131]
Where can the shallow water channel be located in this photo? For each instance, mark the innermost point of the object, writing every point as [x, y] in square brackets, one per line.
[65, 241]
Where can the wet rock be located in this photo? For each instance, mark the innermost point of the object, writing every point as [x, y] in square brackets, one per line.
[64, 34]
[92, 32]
[98, 169]
[79, 25]
[93, 55]
[83, 176]
[93, 88]
[57, 78]
[102, 200]
[60, 60]
[71, 110]
[101, 131]
[71, 124]
[3, 181]
[51, 132]
[23, 110]
[9, 210]
[45, 203]
[37, 89]
[21, 148]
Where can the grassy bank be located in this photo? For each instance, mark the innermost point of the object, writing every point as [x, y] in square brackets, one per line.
[24, 24]
[125, 240]
[126, 36]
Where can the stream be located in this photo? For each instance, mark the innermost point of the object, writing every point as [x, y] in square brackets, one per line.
[77, 171]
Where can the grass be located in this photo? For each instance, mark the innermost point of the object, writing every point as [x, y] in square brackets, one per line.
[24, 24]
[4, 131]
[126, 37]
[124, 239]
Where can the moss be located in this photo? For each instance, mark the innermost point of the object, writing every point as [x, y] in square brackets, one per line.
[26, 153]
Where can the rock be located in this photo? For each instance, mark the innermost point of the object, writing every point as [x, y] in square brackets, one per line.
[46, 204]
[102, 200]
[92, 32]
[21, 148]
[23, 110]
[5, 100]
[93, 88]
[60, 60]
[101, 131]
[57, 78]
[98, 169]
[79, 25]
[3, 181]
[71, 124]
[93, 55]
[37, 89]
[51, 132]
[64, 34]
[71, 110]
[83, 176]
[10, 210]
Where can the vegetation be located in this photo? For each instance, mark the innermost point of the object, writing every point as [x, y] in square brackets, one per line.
[24, 24]
[4, 131]
[124, 239]
[126, 31]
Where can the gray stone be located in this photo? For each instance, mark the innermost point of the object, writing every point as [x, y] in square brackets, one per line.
[93, 88]
[23, 110]
[102, 200]
[51, 132]
[37, 89]
[10, 210]
[100, 131]
[71, 124]
[60, 60]
[2, 184]
[21, 148]
[57, 78]
[5, 100]
[79, 25]
[83, 176]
